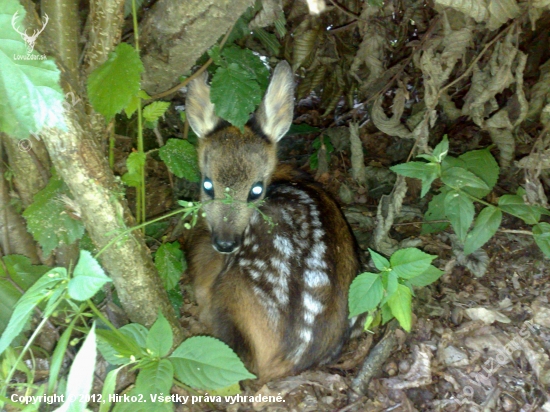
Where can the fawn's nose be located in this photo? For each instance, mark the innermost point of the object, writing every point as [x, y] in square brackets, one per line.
[225, 245]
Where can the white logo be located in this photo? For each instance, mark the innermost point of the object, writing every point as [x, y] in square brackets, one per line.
[30, 40]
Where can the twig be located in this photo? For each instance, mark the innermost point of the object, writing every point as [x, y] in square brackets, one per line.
[346, 11]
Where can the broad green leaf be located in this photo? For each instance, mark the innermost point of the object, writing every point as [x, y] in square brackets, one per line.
[485, 226]
[235, 94]
[483, 165]
[365, 293]
[170, 264]
[81, 375]
[426, 172]
[248, 61]
[410, 262]
[154, 379]
[160, 337]
[88, 277]
[457, 178]
[460, 210]
[203, 362]
[131, 108]
[391, 285]
[436, 211]
[386, 314]
[303, 128]
[30, 299]
[180, 157]
[541, 233]
[451, 161]
[153, 111]
[400, 305]
[112, 85]
[134, 163]
[515, 205]
[268, 40]
[380, 261]
[137, 332]
[47, 219]
[109, 389]
[22, 274]
[119, 351]
[428, 277]
[418, 170]
[441, 150]
[30, 95]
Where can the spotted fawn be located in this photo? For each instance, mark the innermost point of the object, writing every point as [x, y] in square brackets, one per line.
[277, 294]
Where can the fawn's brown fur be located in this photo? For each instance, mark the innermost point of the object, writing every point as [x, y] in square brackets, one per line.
[277, 295]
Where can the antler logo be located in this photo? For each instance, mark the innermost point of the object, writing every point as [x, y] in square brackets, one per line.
[30, 40]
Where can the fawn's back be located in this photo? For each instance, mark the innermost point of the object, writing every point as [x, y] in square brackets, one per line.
[276, 292]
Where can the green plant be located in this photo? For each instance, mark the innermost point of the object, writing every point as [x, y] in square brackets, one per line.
[391, 290]
[199, 362]
[317, 144]
[467, 179]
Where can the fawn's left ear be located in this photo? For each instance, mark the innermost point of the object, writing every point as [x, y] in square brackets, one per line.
[199, 108]
[274, 116]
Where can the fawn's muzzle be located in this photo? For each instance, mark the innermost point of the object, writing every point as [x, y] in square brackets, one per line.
[226, 244]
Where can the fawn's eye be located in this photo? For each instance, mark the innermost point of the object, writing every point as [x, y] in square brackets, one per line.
[208, 187]
[256, 191]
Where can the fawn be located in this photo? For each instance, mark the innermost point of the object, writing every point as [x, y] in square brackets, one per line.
[277, 295]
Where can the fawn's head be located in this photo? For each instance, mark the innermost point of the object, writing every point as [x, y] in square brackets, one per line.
[235, 163]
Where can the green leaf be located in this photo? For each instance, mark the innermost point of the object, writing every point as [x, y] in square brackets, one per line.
[57, 357]
[515, 205]
[119, 351]
[436, 211]
[386, 313]
[365, 293]
[483, 165]
[391, 285]
[410, 262]
[131, 108]
[160, 337]
[457, 178]
[460, 210]
[428, 277]
[88, 277]
[380, 261]
[296, 129]
[268, 40]
[81, 375]
[248, 61]
[426, 172]
[485, 226]
[203, 362]
[112, 85]
[180, 157]
[400, 305]
[541, 233]
[153, 111]
[30, 95]
[235, 94]
[155, 379]
[22, 274]
[170, 264]
[47, 219]
[135, 164]
[109, 389]
[30, 299]
[441, 150]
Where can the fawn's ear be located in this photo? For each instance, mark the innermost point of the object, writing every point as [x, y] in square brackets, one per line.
[274, 116]
[199, 108]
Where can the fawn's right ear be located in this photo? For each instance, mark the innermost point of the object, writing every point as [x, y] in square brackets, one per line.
[199, 108]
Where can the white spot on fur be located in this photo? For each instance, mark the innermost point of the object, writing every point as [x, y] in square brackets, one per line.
[311, 304]
[287, 218]
[260, 264]
[283, 245]
[316, 278]
[255, 248]
[318, 234]
[281, 266]
[254, 274]
[306, 335]
[255, 218]
[309, 318]
[245, 262]
[268, 303]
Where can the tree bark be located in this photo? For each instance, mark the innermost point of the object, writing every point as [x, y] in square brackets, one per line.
[105, 214]
[175, 34]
